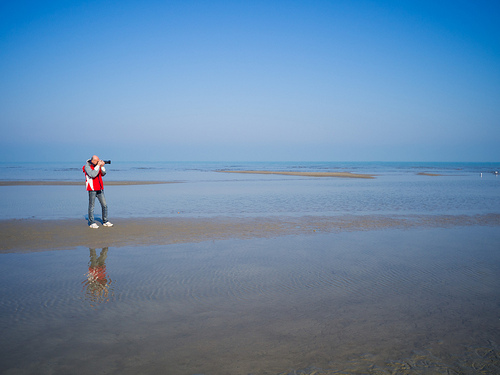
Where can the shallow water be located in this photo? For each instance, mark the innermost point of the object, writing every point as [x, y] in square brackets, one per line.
[358, 302]
[202, 192]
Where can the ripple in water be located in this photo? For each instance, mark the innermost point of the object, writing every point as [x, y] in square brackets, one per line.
[264, 304]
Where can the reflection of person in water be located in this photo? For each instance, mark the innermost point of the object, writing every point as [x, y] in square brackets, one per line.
[97, 283]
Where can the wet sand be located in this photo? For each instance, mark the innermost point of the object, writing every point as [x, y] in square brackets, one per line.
[308, 174]
[29, 235]
[78, 183]
[429, 174]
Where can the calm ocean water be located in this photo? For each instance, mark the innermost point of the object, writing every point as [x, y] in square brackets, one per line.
[199, 171]
[203, 192]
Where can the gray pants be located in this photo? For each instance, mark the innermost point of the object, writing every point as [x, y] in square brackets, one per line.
[102, 199]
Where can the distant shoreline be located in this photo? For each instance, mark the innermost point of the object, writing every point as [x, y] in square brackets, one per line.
[78, 183]
[306, 174]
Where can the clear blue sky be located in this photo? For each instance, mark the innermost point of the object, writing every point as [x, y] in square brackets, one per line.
[250, 80]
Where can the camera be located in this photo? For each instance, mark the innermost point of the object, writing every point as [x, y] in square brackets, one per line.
[107, 161]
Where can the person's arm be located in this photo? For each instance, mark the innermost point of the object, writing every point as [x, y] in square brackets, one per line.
[92, 173]
[103, 171]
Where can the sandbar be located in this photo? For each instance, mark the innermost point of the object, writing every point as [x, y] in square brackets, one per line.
[428, 174]
[78, 183]
[307, 174]
[28, 235]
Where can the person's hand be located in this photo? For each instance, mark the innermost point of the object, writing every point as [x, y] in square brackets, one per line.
[100, 163]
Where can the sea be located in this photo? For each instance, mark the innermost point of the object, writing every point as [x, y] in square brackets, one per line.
[392, 300]
[201, 190]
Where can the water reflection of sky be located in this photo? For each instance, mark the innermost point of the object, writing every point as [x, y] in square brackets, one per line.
[264, 304]
[263, 197]
[204, 171]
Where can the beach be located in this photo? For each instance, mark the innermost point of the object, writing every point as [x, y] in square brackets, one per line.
[41, 235]
[251, 273]
[249, 188]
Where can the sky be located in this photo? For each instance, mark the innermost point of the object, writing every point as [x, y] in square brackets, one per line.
[251, 80]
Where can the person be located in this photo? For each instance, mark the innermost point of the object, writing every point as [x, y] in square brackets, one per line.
[94, 170]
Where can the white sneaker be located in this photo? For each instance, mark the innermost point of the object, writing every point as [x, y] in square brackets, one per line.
[93, 226]
[107, 224]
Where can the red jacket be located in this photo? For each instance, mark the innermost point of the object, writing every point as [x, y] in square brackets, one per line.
[93, 175]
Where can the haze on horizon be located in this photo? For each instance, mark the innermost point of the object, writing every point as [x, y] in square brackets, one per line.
[250, 80]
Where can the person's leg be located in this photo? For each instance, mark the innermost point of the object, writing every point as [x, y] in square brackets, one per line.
[92, 195]
[104, 206]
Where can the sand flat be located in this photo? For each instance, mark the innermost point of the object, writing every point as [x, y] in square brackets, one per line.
[78, 183]
[306, 174]
[429, 174]
[27, 235]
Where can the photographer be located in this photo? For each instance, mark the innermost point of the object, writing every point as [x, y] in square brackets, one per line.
[94, 170]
